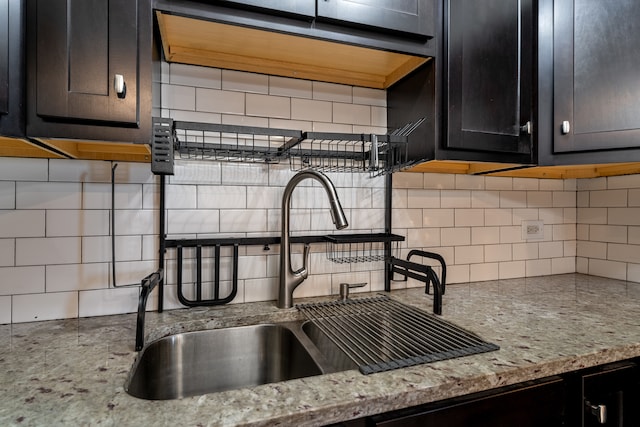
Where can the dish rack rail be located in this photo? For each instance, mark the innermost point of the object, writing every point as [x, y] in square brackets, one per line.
[322, 151]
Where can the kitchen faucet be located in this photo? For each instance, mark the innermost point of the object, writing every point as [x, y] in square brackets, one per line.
[289, 279]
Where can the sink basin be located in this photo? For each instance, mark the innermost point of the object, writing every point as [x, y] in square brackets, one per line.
[195, 363]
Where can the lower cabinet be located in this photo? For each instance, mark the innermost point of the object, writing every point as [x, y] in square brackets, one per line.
[607, 395]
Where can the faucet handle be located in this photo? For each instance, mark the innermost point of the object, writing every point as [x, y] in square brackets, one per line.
[344, 289]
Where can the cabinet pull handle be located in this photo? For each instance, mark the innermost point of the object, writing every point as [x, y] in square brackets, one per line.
[566, 127]
[526, 128]
[599, 411]
[119, 85]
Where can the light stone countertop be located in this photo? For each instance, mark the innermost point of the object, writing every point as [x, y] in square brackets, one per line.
[72, 372]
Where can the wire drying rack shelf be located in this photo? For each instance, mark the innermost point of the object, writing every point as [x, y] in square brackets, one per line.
[323, 151]
[349, 248]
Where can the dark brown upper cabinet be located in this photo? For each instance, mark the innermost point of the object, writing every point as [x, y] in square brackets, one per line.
[406, 16]
[596, 76]
[12, 68]
[304, 8]
[89, 69]
[488, 79]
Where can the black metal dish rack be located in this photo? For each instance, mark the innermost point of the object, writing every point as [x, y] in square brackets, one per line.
[329, 152]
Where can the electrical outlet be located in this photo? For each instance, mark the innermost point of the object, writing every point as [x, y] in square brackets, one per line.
[533, 230]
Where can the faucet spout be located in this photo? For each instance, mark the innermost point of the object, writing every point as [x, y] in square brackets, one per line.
[290, 279]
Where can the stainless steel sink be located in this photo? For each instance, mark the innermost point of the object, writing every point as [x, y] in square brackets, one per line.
[195, 363]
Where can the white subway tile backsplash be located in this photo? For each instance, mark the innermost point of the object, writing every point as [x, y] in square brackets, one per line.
[511, 269]
[540, 199]
[221, 197]
[438, 181]
[52, 250]
[468, 255]
[48, 195]
[611, 269]
[352, 113]
[98, 249]
[49, 306]
[455, 199]
[498, 183]
[495, 217]
[22, 280]
[456, 236]
[624, 253]
[608, 198]
[295, 88]
[7, 195]
[519, 215]
[196, 172]
[555, 184]
[634, 197]
[623, 181]
[5, 310]
[608, 233]
[513, 199]
[407, 218]
[564, 231]
[312, 110]
[459, 274]
[592, 216]
[551, 249]
[423, 198]
[77, 277]
[551, 215]
[588, 249]
[191, 75]
[178, 97]
[245, 82]
[243, 221]
[570, 248]
[368, 96]
[486, 271]
[332, 92]
[633, 235]
[633, 272]
[104, 302]
[538, 267]
[22, 223]
[424, 237]
[485, 235]
[218, 101]
[19, 169]
[468, 217]
[263, 289]
[67, 223]
[379, 119]
[7, 252]
[592, 184]
[190, 221]
[469, 182]
[582, 265]
[136, 222]
[512, 234]
[624, 216]
[563, 265]
[242, 174]
[485, 199]
[374, 219]
[498, 253]
[525, 251]
[525, 184]
[269, 106]
[408, 180]
[564, 199]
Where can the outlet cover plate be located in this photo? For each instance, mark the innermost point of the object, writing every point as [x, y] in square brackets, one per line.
[533, 230]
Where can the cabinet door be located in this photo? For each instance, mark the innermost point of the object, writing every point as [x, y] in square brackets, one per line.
[533, 404]
[82, 45]
[407, 16]
[297, 7]
[489, 77]
[610, 397]
[11, 68]
[596, 77]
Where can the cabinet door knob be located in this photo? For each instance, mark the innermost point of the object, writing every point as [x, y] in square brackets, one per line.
[526, 128]
[566, 127]
[119, 85]
[599, 411]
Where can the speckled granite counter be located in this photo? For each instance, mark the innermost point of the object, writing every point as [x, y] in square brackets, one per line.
[72, 372]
